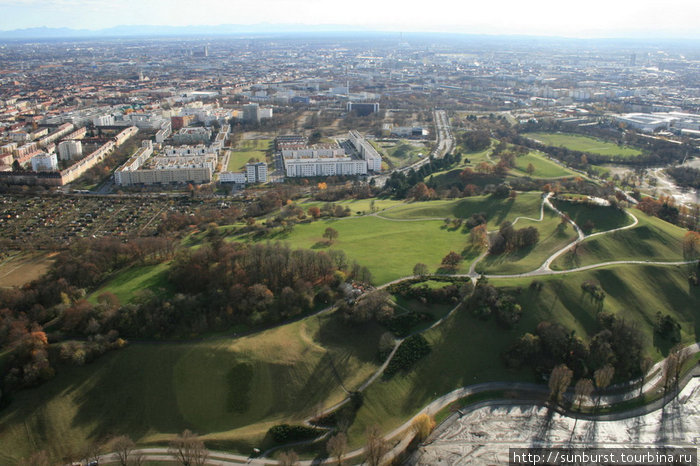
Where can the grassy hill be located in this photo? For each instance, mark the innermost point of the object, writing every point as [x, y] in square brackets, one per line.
[388, 248]
[552, 238]
[230, 390]
[598, 217]
[497, 210]
[544, 168]
[467, 350]
[652, 239]
[584, 144]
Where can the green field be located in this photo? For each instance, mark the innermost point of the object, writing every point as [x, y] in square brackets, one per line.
[552, 238]
[602, 218]
[584, 144]
[652, 239]
[467, 350]
[544, 168]
[402, 153]
[229, 390]
[497, 210]
[127, 282]
[248, 149]
[389, 249]
[361, 206]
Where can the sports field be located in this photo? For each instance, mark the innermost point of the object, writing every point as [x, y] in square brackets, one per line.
[584, 144]
[248, 149]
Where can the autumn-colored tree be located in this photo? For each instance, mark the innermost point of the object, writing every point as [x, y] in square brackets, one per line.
[559, 381]
[422, 425]
[603, 377]
[314, 212]
[479, 236]
[691, 244]
[288, 458]
[451, 260]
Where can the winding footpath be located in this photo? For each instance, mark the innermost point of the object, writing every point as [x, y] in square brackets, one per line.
[527, 393]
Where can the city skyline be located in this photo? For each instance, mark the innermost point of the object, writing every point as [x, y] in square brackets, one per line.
[595, 19]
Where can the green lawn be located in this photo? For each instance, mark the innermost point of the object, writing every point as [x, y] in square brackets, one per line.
[584, 144]
[552, 238]
[356, 205]
[602, 218]
[544, 168]
[402, 153]
[652, 239]
[389, 249]
[497, 210]
[466, 350]
[127, 282]
[230, 391]
[248, 149]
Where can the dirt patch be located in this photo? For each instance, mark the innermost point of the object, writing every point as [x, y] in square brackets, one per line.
[23, 268]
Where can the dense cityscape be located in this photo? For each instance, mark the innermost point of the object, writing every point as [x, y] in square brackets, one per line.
[346, 248]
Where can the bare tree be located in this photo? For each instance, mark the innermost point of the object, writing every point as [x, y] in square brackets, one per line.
[583, 390]
[40, 458]
[603, 377]
[188, 449]
[288, 458]
[559, 381]
[376, 446]
[645, 366]
[337, 446]
[673, 366]
[123, 447]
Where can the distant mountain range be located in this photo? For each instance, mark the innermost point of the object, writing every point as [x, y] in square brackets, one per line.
[140, 31]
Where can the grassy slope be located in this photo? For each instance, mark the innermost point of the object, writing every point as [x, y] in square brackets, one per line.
[466, 350]
[524, 260]
[584, 144]
[356, 205]
[544, 168]
[497, 210]
[153, 390]
[389, 249]
[652, 239]
[603, 218]
[126, 282]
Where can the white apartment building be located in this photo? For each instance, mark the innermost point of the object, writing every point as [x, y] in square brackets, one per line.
[256, 172]
[70, 149]
[366, 151]
[44, 162]
[324, 167]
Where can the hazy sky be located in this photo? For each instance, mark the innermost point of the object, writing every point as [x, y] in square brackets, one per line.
[587, 18]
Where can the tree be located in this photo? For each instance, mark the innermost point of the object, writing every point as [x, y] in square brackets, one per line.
[337, 446]
[478, 236]
[123, 447]
[420, 269]
[188, 449]
[376, 447]
[530, 169]
[423, 425]
[645, 366]
[314, 212]
[331, 234]
[288, 458]
[603, 377]
[39, 458]
[582, 390]
[451, 260]
[691, 244]
[559, 381]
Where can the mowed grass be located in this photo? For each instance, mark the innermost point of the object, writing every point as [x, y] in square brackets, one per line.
[356, 205]
[389, 249]
[497, 210]
[248, 149]
[24, 267]
[231, 391]
[126, 283]
[651, 240]
[602, 218]
[552, 238]
[466, 350]
[544, 168]
[584, 144]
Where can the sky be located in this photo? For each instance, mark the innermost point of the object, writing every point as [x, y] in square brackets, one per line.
[587, 18]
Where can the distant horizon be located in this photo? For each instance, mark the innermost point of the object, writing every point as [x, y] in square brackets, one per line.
[596, 19]
[226, 29]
